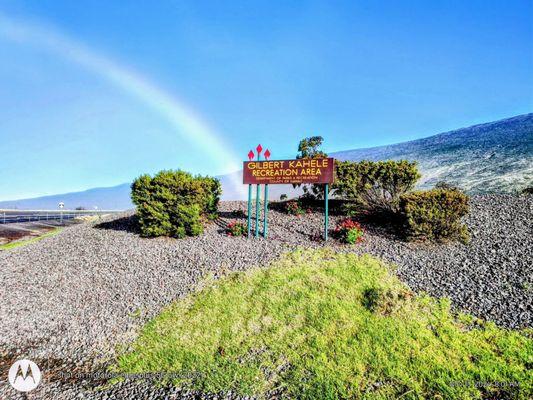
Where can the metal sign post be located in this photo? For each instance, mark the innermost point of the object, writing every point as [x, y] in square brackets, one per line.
[249, 209]
[61, 205]
[259, 149]
[265, 212]
[326, 211]
[250, 158]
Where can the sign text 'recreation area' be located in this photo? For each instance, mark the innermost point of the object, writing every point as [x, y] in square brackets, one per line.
[305, 170]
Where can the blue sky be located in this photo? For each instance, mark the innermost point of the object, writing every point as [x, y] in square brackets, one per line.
[359, 73]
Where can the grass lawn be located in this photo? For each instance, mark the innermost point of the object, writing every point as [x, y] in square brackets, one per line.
[319, 325]
[24, 242]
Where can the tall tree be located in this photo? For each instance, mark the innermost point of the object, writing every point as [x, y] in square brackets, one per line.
[310, 148]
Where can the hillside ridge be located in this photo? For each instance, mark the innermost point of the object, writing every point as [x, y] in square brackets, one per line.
[491, 157]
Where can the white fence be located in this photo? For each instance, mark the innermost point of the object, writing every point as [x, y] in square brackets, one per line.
[17, 216]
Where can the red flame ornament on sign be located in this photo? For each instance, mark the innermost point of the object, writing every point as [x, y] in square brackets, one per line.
[251, 155]
[259, 149]
[267, 154]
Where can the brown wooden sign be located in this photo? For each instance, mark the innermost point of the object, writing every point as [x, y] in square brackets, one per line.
[305, 170]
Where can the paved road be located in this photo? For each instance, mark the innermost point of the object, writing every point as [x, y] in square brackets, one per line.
[15, 231]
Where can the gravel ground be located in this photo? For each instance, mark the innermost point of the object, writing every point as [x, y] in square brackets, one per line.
[69, 300]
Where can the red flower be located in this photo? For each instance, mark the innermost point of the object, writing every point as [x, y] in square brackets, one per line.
[344, 227]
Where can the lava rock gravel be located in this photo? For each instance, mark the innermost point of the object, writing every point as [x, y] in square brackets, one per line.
[68, 301]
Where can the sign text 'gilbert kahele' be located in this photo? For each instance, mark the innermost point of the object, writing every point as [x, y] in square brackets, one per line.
[307, 170]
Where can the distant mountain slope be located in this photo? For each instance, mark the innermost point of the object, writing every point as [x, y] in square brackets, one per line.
[107, 198]
[492, 157]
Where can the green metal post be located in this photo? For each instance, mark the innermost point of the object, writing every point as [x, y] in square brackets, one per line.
[326, 212]
[249, 210]
[265, 213]
[257, 205]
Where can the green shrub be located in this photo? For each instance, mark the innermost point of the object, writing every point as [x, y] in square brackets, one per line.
[350, 210]
[354, 236]
[375, 186]
[311, 148]
[435, 214]
[172, 203]
[528, 190]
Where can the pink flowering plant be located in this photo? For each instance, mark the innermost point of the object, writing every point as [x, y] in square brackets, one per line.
[236, 228]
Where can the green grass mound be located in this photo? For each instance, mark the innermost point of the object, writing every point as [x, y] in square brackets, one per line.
[24, 242]
[318, 324]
